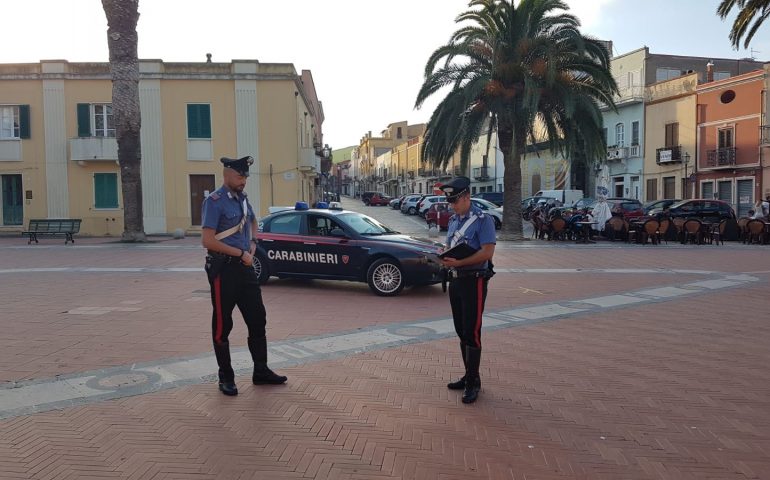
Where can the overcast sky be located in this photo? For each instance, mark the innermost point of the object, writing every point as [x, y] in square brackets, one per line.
[367, 56]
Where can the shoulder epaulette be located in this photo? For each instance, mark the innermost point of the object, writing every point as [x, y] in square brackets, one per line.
[214, 196]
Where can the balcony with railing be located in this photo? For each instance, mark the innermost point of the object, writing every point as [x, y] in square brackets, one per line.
[764, 135]
[668, 155]
[481, 174]
[721, 157]
[616, 153]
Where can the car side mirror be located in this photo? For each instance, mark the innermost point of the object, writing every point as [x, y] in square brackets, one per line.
[337, 232]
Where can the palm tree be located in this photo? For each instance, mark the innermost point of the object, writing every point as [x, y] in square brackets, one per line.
[756, 11]
[528, 75]
[122, 17]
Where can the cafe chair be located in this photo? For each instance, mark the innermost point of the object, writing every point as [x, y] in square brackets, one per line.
[718, 232]
[756, 231]
[557, 229]
[693, 231]
[679, 226]
[616, 227]
[742, 232]
[650, 231]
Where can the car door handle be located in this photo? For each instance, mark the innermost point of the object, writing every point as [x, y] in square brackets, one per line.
[309, 243]
[266, 240]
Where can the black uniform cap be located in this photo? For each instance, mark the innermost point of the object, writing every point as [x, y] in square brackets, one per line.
[240, 165]
[456, 187]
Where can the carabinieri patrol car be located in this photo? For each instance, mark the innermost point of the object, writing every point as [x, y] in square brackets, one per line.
[343, 245]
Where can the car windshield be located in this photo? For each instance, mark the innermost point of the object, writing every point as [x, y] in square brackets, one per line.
[365, 225]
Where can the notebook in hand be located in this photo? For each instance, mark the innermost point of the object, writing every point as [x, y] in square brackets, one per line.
[459, 251]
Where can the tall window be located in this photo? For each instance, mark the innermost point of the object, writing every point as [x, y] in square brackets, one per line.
[9, 121]
[652, 189]
[620, 134]
[95, 120]
[105, 190]
[198, 120]
[606, 136]
[672, 135]
[103, 125]
[669, 187]
[398, 132]
[635, 133]
[726, 137]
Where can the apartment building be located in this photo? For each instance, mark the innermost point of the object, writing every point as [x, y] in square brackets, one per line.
[58, 153]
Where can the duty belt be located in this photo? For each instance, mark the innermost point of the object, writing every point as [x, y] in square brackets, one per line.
[222, 256]
[455, 274]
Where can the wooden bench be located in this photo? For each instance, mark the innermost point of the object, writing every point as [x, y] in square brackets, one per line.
[52, 227]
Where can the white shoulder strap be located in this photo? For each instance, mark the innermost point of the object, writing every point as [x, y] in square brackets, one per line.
[459, 234]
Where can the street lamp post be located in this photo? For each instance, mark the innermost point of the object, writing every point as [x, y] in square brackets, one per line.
[686, 178]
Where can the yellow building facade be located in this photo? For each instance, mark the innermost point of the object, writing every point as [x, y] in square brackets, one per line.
[670, 141]
[58, 154]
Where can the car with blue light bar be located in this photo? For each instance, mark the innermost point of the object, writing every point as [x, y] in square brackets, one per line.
[337, 244]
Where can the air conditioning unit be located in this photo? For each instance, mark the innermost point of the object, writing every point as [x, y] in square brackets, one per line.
[614, 154]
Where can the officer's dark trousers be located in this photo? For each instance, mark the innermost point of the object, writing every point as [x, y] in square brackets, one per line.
[238, 285]
[467, 296]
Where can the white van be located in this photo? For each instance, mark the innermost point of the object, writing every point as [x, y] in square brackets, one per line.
[567, 198]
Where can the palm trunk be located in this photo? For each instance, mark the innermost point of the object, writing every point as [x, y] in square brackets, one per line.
[122, 17]
[512, 143]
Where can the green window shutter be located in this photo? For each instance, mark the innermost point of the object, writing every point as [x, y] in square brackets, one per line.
[24, 128]
[106, 190]
[84, 120]
[198, 120]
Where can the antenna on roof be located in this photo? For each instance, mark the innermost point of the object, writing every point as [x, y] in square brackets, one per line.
[751, 54]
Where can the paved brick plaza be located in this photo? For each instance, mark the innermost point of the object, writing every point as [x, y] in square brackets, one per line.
[605, 361]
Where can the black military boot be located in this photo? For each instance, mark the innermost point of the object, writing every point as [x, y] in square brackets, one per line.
[262, 373]
[226, 374]
[472, 379]
[459, 384]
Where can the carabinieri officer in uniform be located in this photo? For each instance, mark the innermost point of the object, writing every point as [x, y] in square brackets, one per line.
[468, 279]
[229, 235]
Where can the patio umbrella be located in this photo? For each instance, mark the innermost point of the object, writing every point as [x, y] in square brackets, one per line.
[601, 211]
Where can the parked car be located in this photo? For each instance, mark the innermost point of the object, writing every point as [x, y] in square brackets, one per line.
[628, 208]
[343, 245]
[566, 197]
[395, 204]
[426, 202]
[585, 202]
[491, 209]
[439, 214]
[529, 204]
[659, 205]
[365, 196]
[494, 197]
[379, 199]
[409, 205]
[701, 208]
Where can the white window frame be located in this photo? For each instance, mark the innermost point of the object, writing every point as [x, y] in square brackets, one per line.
[10, 128]
[107, 120]
[620, 134]
[668, 71]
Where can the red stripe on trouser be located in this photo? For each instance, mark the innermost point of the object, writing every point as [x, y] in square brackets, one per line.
[218, 308]
[479, 311]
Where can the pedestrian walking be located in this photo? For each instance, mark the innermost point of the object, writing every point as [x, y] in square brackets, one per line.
[229, 235]
[471, 233]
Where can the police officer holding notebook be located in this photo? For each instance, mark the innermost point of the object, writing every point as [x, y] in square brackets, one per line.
[469, 272]
[229, 235]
